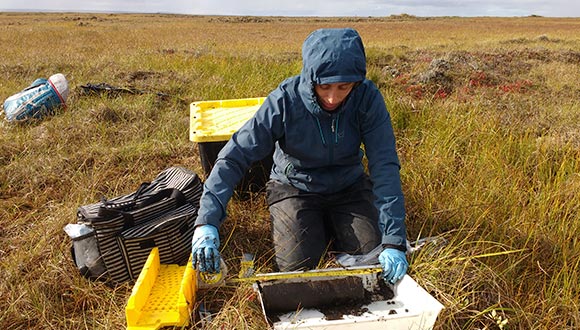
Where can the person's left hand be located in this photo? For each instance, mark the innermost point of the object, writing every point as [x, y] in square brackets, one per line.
[394, 263]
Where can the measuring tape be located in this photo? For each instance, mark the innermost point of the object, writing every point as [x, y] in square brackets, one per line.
[350, 271]
[246, 273]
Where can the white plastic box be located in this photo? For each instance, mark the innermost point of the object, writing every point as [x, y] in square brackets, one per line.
[412, 308]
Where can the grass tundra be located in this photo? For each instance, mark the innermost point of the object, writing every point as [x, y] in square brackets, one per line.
[486, 113]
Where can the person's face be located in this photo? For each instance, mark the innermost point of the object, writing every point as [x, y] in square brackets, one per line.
[330, 96]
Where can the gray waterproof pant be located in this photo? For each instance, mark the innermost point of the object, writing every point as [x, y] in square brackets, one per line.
[305, 225]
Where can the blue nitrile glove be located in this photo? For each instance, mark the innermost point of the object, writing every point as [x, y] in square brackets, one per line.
[394, 263]
[204, 249]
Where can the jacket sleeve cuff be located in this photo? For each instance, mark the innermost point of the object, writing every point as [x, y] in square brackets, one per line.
[402, 248]
[395, 242]
[202, 221]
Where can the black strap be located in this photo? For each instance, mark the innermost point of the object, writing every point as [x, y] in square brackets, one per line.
[171, 193]
[124, 205]
[123, 209]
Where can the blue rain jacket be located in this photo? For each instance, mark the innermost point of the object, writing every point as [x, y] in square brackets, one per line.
[316, 150]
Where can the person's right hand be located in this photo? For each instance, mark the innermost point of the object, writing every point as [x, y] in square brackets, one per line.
[204, 249]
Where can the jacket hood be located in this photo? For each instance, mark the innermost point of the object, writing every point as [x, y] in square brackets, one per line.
[330, 56]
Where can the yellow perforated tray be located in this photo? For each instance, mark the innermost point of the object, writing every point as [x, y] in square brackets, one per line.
[163, 295]
[213, 121]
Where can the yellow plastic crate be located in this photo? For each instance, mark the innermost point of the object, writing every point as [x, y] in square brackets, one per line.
[213, 121]
[163, 295]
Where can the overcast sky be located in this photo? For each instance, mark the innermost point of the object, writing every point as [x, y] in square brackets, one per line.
[363, 8]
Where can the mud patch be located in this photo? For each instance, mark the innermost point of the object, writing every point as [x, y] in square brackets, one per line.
[332, 297]
[289, 296]
[355, 307]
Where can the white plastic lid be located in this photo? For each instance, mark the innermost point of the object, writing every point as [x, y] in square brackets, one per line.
[59, 81]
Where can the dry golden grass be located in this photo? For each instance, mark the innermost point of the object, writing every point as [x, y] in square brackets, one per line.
[486, 114]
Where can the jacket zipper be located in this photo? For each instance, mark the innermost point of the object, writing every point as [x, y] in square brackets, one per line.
[334, 131]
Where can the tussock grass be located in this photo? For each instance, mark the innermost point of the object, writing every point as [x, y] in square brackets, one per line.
[485, 112]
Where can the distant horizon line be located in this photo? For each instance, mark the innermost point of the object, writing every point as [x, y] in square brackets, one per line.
[259, 15]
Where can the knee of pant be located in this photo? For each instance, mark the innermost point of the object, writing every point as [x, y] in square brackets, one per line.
[369, 246]
[295, 265]
[358, 246]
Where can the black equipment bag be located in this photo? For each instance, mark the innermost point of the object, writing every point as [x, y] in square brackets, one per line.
[158, 214]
